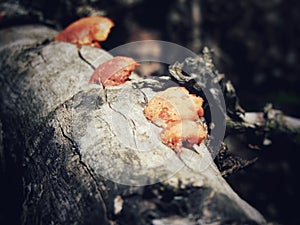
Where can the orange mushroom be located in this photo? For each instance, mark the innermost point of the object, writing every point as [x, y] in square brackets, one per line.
[173, 104]
[87, 31]
[114, 71]
[181, 132]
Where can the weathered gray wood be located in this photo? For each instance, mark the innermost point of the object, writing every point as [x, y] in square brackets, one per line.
[77, 144]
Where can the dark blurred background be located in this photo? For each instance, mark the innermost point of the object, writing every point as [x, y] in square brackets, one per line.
[255, 44]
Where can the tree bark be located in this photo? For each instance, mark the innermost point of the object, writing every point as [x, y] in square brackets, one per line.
[68, 147]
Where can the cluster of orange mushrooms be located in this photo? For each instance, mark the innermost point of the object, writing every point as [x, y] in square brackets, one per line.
[175, 110]
[179, 114]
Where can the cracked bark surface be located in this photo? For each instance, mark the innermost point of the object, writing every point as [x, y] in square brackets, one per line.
[67, 141]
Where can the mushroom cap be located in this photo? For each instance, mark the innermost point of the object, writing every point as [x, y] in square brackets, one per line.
[183, 131]
[114, 71]
[172, 105]
[86, 31]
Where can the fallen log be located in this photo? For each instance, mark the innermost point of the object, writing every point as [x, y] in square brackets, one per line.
[70, 147]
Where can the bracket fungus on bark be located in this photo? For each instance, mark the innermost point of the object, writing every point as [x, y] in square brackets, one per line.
[178, 113]
[87, 31]
[114, 71]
